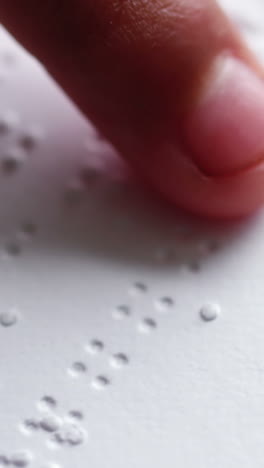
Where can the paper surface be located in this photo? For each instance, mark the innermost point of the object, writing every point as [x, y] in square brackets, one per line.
[129, 337]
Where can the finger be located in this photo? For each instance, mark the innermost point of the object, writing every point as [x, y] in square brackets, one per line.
[170, 83]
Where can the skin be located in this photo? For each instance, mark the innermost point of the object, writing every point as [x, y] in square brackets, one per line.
[136, 69]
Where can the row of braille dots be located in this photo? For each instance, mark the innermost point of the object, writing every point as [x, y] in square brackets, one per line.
[13, 247]
[15, 156]
[185, 234]
[24, 459]
[146, 324]
[24, 144]
[19, 459]
[202, 249]
[63, 431]
[91, 172]
[76, 191]
[208, 312]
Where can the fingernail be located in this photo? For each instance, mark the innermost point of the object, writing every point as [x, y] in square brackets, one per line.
[224, 132]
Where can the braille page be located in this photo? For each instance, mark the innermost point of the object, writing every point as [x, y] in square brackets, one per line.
[130, 336]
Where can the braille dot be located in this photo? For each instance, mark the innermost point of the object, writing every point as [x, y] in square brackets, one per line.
[31, 138]
[206, 247]
[12, 160]
[13, 249]
[119, 360]
[138, 289]
[21, 459]
[8, 122]
[121, 312]
[47, 403]
[77, 369]
[4, 460]
[9, 318]
[147, 325]
[76, 415]
[210, 312]
[164, 303]
[30, 426]
[214, 246]
[50, 423]
[29, 228]
[94, 347]
[100, 382]
[70, 434]
[195, 266]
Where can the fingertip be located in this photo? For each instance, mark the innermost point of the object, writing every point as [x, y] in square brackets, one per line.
[224, 130]
[178, 179]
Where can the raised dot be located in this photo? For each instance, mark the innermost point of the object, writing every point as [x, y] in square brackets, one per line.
[30, 139]
[121, 312]
[164, 303]
[4, 460]
[8, 122]
[147, 325]
[210, 312]
[138, 289]
[29, 228]
[9, 318]
[206, 247]
[119, 360]
[100, 382]
[12, 160]
[77, 369]
[13, 248]
[76, 415]
[50, 423]
[94, 347]
[70, 434]
[21, 459]
[30, 426]
[47, 403]
[195, 266]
